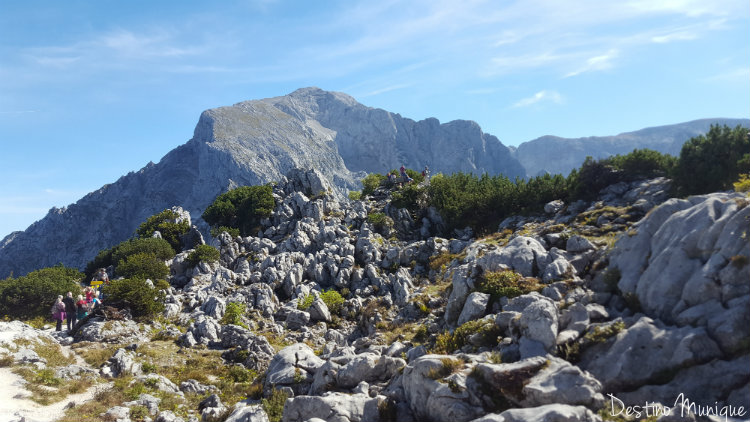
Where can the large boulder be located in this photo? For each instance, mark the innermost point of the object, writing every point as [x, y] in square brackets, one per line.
[293, 366]
[687, 259]
[334, 407]
[644, 352]
[522, 254]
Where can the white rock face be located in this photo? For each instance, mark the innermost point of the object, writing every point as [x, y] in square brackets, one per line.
[685, 266]
[251, 143]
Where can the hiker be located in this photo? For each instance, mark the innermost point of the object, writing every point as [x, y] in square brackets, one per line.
[404, 177]
[95, 301]
[70, 310]
[391, 179]
[89, 292]
[82, 307]
[101, 275]
[58, 312]
[426, 174]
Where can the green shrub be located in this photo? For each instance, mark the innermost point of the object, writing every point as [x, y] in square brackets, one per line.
[333, 300]
[486, 329]
[137, 294]
[742, 184]
[411, 197]
[506, 283]
[380, 221]
[306, 302]
[371, 182]
[242, 208]
[274, 405]
[205, 253]
[355, 195]
[216, 231]
[32, 295]
[159, 248]
[712, 162]
[165, 223]
[233, 314]
[142, 265]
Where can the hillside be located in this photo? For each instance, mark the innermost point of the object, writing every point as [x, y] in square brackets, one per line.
[254, 142]
[632, 296]
[555, 155]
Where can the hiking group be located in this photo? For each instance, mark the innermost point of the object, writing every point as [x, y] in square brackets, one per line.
[404, 177]
[74, 309]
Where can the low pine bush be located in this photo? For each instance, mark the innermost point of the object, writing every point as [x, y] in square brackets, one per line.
[203, 253]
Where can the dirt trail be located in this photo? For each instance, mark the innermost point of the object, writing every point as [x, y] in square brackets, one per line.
[14, 398]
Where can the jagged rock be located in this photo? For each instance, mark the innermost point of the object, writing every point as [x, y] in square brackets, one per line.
[368, 367]
[296, 319]
[148, 401]
[644, 351]
[335, 407]
[553, 207]
[110, 331]
[522, 254]
[168, 416]
[118, 413]
[71, 372]
[214, 307]
[195, 387]
[463, 284]
[546, 413]
[122, 362]
[679, 258]
[578, 243]
[319, 311]
[538, 322]
[561, 382]
[433, 400]
[244, 413]
[205, 330]
[160, 383]
[211, 408]
[474, 307]
[293, 366]
[705, 384]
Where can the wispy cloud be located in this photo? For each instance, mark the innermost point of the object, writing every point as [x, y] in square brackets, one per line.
[386, 89]
[541, 96]
[596, 63]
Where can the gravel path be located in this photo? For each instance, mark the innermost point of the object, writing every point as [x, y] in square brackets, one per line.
[15, 404]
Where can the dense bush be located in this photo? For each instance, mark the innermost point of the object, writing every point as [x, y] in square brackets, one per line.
[142, 265]
[143, 298]
[333, 300]
[32, 295]
[216, 231]
[233, 314]
[160, 248]
[242, 208]
[712, 162]
[205, 253]
[371, 182]
[165, 223]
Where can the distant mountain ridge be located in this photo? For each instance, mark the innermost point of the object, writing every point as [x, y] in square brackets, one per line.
[555, 155]
[254, 142]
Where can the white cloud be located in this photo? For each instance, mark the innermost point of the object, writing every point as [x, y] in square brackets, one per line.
[386, 89]
[541, 96]
[596, 63]
[674, 36]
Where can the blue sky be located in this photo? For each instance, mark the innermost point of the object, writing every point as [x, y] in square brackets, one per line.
[90, 90]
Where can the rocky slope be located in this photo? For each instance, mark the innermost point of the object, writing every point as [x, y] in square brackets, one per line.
[251, 143]
[536, 155]
[630, 299]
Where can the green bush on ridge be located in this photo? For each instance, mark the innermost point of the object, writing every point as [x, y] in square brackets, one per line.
[32, 295]
[164, 223]
[242, 208]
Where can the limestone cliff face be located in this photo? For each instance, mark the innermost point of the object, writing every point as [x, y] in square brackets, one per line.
[250, 143]
[555, 155]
